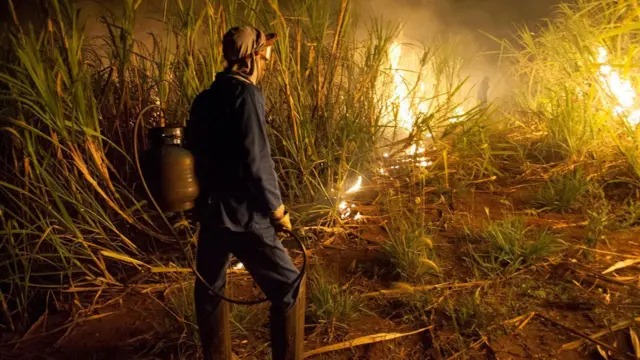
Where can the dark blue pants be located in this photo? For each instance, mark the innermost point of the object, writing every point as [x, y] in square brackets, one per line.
[262, 255]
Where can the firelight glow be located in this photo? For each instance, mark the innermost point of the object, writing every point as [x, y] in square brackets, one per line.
[400, 97]
[408, 93]
[356, 186]
[415, 149]
[621, 89]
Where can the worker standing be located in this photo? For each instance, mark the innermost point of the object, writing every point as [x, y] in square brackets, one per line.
[240, 208]
[483, 92]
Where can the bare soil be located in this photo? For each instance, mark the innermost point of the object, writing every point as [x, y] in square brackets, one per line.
[567, 289]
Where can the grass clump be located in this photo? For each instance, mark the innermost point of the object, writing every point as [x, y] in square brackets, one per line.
[630, 214]
[598, 220]
[246, 319]
[508, 245]
[562, 192]
[417, 307]
[467, 314]
[180, 303]
[410, 253]
[330, 304]
[410, 245]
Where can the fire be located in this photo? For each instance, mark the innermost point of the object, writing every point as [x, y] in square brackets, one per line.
[406, 91]
[411, 91]
[415, 149]
[621, 89]
[400, 98]
[356, 186]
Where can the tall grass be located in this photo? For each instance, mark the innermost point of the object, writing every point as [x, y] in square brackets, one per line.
[562, 192]
[74, 217]
[410, 244]
[559, 68]
[508, 245]
[330, 304]
[68, 213]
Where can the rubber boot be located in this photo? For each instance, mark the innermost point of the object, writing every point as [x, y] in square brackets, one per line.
[215, 333]
[287, 330]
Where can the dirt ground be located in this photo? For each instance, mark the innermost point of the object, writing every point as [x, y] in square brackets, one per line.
[530, 314]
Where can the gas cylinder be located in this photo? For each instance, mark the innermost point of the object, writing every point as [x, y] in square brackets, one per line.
[169, 170]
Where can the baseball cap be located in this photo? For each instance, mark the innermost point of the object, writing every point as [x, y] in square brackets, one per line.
[241, 42]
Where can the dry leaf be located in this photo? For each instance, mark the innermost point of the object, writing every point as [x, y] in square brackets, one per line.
[362, 341]
[116, 256]
[620, 326]
[431, 264]
[603, 353]
[427, 241]
[162, 269]
[402, 285]
[621, 264]
[635, 341]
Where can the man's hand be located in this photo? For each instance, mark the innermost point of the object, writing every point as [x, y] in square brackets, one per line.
[280, 219]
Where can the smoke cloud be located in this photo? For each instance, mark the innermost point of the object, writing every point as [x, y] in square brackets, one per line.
[468, 21]
[472, 23]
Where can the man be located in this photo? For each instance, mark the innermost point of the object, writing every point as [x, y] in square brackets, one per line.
[483, 92]
[240, 207]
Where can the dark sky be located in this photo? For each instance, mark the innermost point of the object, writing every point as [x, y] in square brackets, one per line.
[465, 19]
[496, 16]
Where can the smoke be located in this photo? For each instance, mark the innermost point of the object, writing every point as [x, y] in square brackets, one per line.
[473, 24]
[467, 19]
[425, 21]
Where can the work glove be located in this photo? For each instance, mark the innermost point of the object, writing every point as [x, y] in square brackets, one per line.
[280, 219]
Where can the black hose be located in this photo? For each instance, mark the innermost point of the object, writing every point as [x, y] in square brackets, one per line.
[184, 250]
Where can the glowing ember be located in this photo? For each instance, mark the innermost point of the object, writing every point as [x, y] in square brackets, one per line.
[414, 149]
[238, 266]
[355, 187]
[621, 89]
[386, 155]
[343, 205]
[357, 217]
[425, 163]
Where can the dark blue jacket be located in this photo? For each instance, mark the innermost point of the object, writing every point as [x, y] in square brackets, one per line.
[227, 135]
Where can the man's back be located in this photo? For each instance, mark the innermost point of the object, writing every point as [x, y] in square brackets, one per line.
[240, 209]
[226, 133]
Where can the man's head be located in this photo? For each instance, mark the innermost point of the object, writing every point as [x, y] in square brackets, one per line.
[247, 50]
